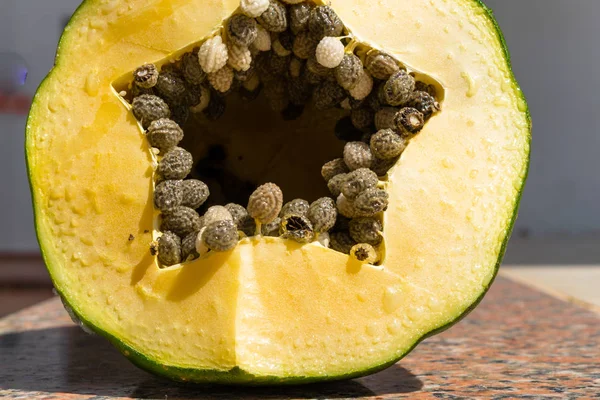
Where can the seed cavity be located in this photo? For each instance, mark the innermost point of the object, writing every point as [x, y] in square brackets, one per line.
[301, 58]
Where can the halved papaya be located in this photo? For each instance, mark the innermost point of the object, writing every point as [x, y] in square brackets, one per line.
[274, 310]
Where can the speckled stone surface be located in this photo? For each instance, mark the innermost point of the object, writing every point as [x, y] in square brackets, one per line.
[519, 343]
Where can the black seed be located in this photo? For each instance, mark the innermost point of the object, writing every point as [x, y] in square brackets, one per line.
[323, 21]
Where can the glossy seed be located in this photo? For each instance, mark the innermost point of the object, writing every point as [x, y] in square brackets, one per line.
[358, 181]
[176, 164]
[168, 194]
[371, 202]
[366, 230]
[357, 155]
[191, 70]
[220, 236]
[195, 193]
[381, 167]
[238, 212]
[169, 249]
[304, 45]
[221, 79]
[181, 220]
[241, 30]
[424, 87]
[239, 58]
[341, 241]
[322, 213]
[424, 103]
[381, 65]
[364, 253]
[146, 76]
[171, 87]
[335, 184]
[212, 55]
[265, 203]
[188, 247]
[329, 52]
[274, 19]
[323, 21]
[164, 134]
[333, 168]
[216, 213]
[272, 228]
[148, 108]
[253, 8]
[296, 206]
[386, 144]
[298, 17]
[297, 227]
[409, 121]
[363, 86]
[349, 71]
[363, 119]
[385, 118]
[398, 89]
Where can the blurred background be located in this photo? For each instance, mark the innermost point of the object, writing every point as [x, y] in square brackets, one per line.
[555, 54]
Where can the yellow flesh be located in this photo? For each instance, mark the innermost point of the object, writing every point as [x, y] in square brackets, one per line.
[269, 306]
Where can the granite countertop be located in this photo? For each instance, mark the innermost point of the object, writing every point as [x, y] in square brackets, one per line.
[519, 343]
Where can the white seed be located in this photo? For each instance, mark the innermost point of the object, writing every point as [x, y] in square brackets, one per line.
[324, 239]
[204, 100]
[363, 87]
[253, 8]
[330, 52]
[263, 39]
[239, 58]
[216, 213]
[212, 55]
[345, 206]
[201, 247]
[222, 79]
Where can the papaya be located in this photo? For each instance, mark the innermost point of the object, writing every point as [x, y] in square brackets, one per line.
[275, 192]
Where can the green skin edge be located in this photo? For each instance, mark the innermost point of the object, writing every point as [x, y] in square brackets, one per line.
[237, 376]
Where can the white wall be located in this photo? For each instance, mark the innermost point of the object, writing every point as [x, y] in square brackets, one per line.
[31, 28]
[554, 44]
[555, 47]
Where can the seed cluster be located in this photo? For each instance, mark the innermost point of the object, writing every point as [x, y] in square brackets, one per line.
[296, 53]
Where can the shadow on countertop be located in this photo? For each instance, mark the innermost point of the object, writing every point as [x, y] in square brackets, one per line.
[66, 360]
